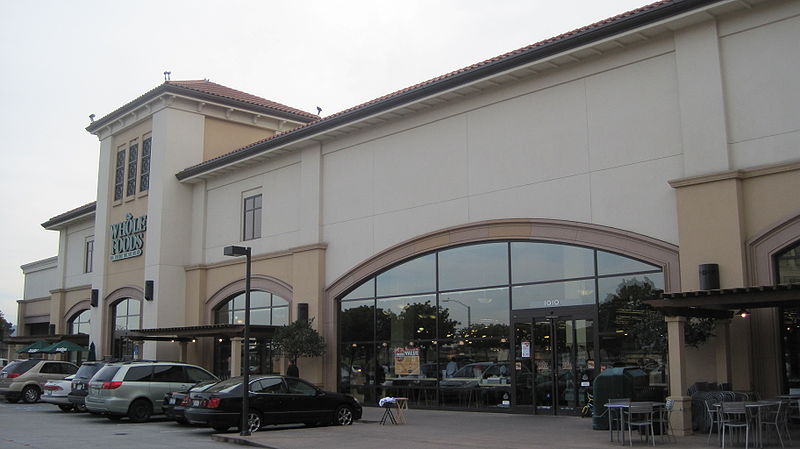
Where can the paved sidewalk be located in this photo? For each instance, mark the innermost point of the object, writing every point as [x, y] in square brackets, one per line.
[434, 429]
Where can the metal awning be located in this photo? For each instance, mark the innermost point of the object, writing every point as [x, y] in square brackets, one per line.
[722, 303]
[187, 333]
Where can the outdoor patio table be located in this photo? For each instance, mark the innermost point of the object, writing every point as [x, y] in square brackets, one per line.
[618, 408]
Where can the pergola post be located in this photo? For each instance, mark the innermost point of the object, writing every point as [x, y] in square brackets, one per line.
[236, 356]
[681, 422]
[723, 351]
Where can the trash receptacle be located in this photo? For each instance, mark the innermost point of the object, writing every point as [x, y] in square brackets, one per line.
[613, 383]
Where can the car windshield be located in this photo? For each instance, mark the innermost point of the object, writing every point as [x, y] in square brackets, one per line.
[87, 371]
[105, 374]
[473, 370]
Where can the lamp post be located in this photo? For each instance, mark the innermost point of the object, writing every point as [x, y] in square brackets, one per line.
[469, 310]
[237, 251]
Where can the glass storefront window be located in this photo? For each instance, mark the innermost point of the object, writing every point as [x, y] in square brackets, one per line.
[356, 320]
[365, 290]
[554, 294]
[608, 288]
[537, 262]
[406, 318]
[473, 266]
[415, 276]
[439, 328]
[478, 311]
[609, 263]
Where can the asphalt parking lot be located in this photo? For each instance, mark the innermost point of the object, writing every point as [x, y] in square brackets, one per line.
[44, 426]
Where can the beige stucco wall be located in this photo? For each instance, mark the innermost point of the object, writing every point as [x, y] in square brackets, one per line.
[222, 137]
[717, 215]
[300, 270]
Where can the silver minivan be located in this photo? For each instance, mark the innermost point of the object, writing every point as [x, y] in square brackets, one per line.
[136, 389]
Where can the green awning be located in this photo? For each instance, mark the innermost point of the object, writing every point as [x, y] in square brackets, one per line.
[34, 347]
[63, 346]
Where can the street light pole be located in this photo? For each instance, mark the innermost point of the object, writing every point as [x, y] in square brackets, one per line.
[237, 251]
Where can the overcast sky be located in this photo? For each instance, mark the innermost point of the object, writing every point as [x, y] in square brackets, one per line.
[62, 61]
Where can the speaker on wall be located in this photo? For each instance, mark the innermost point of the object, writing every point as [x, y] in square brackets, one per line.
[148, 290]
[302, 311]
[95, 297]
[709, 276]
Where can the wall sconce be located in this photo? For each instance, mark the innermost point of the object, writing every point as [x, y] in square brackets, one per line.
[149, 287]
[744, 313]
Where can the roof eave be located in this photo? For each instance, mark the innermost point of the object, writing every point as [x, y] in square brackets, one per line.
[166, 88]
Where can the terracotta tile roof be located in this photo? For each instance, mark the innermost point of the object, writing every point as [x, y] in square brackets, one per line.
[208, 87]
[563, 42]
[70, 214]
[211, 91]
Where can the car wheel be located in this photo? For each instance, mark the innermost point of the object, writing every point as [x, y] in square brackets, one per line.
[30, 394]
[183, 421]
[65, 408]
[80, 407]
[221, 428]
[254, 421]
[140, 411]
[343, 416]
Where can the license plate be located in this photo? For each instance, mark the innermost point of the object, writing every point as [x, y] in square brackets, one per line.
[172, 401]
[195, 403]
[48, 393]
[79, 387]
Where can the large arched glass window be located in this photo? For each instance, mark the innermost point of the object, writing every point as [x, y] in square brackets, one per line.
[79, 324]
[265, 308]
[461, 310]
[787, 263]
[127, 315]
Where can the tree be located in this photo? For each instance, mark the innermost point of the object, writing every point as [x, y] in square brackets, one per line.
[298, 339]
[6, 328]
[625, 310]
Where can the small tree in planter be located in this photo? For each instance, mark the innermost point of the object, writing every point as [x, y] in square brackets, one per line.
[296, 340]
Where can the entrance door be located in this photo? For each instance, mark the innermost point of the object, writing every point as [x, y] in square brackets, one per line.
[554, 364]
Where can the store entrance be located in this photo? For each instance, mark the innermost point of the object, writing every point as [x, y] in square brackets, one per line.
[554, 364]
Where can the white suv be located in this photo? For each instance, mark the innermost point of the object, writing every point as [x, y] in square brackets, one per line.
[136, 389]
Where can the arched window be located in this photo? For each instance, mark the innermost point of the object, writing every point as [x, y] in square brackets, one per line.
[492, 313]
[787, 263]
[127, 315]
[265, 308]
[79, 324]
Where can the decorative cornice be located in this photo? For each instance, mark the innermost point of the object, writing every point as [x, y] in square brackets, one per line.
[257, 258]
[736, 174]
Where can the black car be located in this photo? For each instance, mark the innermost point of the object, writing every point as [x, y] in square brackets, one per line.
[80, 384]
[175, 403]
[272, 400]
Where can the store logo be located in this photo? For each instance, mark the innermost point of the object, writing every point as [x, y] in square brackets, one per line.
[127, 237]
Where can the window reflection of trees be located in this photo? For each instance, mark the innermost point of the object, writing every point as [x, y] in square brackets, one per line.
[635, 334]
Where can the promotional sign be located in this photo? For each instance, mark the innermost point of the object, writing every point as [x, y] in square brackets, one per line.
[406, 361]
[526, 349]
[127, 237]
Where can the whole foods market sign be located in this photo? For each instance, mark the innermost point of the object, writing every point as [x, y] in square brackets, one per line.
[127, 237]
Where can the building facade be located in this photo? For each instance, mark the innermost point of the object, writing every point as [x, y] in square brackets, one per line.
[482, 229]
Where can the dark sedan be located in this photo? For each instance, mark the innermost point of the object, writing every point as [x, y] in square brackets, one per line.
[175, 403]
[272, 400]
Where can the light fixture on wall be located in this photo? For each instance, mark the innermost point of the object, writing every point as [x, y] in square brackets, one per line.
[744, 313]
